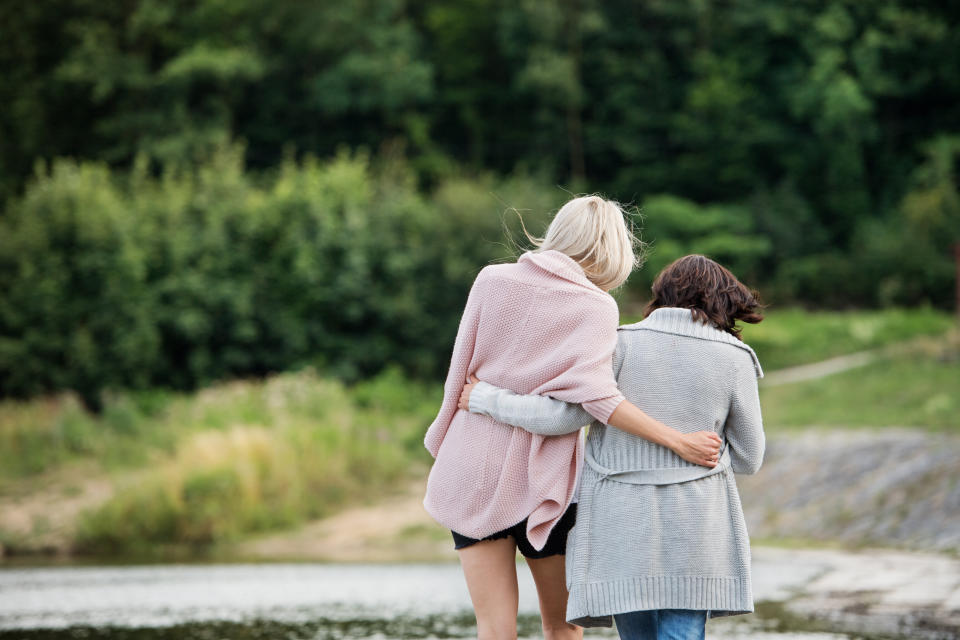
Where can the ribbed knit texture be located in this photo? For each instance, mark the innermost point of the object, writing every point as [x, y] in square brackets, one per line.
[648, 546]
[537, 326]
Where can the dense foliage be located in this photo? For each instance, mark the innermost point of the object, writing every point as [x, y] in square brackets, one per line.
[134, 282]
[813, 147]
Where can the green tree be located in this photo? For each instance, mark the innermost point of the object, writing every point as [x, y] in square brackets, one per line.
[75, 312]
[675, 227]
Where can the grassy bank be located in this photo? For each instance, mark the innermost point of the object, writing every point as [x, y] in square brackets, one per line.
[791, 337]
[236, 458]
[187, 471]
[917, 388]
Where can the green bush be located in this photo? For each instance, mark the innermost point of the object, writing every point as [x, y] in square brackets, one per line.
[76, 308]
[210, 273]
[207, 272]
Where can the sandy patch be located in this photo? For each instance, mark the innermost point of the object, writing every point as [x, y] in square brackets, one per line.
[40, 515]
[395, 530]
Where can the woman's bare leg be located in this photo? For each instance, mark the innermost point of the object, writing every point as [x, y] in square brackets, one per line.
[490, 568]
[548, 574]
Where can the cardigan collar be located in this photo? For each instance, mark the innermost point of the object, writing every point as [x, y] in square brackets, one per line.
[680, 322]
[559, 264]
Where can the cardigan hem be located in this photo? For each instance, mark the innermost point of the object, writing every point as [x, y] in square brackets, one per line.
[593, 604]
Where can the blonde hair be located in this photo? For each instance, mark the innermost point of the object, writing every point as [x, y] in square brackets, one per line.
[593, 231]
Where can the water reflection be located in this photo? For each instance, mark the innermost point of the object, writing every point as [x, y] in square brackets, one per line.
[275, 602]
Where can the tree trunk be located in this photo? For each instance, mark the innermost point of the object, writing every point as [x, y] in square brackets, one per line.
[956, 257]
[578, 170]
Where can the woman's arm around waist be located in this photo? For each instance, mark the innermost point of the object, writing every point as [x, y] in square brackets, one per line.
[546, 416]
[541, 415]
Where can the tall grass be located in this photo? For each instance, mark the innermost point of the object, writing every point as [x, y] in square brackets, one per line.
[232, 459]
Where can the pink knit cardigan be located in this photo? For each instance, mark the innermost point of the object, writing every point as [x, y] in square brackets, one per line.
[536, 326]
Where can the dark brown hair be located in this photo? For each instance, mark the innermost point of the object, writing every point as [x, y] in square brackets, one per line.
[709, 290]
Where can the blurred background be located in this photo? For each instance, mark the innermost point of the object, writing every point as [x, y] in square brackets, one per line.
[236, 237]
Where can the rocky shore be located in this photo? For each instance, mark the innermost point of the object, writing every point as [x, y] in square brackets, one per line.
[895, 488]
[872, 592]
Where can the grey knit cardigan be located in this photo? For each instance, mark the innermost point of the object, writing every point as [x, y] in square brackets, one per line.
[654, 531]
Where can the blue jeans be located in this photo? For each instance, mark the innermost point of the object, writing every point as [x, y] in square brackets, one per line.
[662, 624]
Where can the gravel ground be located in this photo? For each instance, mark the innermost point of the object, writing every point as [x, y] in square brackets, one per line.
[893, 487]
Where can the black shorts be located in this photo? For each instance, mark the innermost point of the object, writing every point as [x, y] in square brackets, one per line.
[556, 541]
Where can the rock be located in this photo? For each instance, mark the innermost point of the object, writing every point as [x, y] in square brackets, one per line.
[885, 487]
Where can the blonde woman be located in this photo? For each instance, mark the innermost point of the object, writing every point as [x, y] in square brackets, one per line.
[543, 325]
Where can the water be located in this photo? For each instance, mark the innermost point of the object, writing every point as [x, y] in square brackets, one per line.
[278, 602]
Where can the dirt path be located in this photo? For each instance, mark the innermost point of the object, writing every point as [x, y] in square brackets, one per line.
[820, 369]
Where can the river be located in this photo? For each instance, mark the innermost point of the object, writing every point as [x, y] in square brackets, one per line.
[317, 601]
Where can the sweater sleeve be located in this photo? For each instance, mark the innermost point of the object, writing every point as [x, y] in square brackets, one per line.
[459, 363]
[596, 369]
[744, 426]
[537, 414]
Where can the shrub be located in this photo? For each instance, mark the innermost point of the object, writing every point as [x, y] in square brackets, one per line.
[209, 273]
